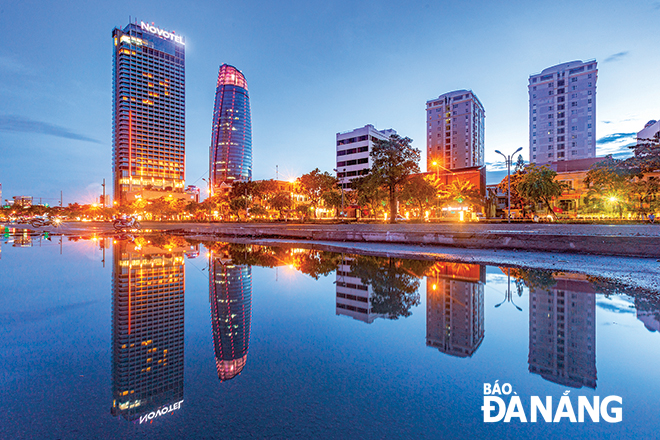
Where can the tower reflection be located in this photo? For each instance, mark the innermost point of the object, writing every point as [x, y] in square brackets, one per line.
[562, 331]
[147, 329]
[230, 292]
[455, 308]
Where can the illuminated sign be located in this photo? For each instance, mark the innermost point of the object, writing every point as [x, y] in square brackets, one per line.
[161, 412]
[161, 33]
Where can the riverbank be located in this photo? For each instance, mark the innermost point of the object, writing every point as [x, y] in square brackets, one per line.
[609, 240]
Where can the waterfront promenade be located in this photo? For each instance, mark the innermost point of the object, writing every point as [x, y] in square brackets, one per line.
[614, 240]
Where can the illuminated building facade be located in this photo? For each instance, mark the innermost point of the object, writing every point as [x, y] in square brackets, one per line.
[149, 111]
[455, 308]
[455, 131]
[562, 332]
[231, 140]
[147, 329]
[230, 293]
[562, 112]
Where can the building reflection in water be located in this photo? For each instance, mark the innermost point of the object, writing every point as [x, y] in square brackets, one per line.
[353, 296]
[648, 311]
[455, 308]
[230, 292]
[148, 329]
[562, 331]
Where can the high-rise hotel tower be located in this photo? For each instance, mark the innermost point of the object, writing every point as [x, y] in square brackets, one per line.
[454, 131]
[562, 112]
[231, 141]
[149, 110]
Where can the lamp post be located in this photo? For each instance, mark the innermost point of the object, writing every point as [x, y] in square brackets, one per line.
[341, 185]
[508, 297]
[208, 181]
[437, 169]
[507, 160]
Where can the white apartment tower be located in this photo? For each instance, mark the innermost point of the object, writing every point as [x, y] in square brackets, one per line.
[562, 112]
[353, 149]
[455, 131]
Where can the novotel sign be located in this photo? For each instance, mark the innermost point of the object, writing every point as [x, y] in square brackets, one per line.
[161, 33]
[161, 412]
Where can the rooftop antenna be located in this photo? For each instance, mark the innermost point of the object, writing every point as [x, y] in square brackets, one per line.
[277, 172]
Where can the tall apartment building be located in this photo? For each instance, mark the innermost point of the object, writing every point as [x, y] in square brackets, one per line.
[353, 149]
[148, 292]
[562, 112]
[231, 139]
[454, 131]
[562, 332]
[455, 308]
[149, 110]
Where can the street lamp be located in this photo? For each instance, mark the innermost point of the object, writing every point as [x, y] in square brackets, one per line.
[341, 185]
[437, 171]
[508, 297]
[507, 160]
[208, 181]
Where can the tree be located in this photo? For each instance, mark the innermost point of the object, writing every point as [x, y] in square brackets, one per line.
[459, 191]
[395, 283]
[281, 201]
[538, 184]
[314, 184]
[608, 182]
[646, 155]
[517, 200]
[419, 191]
[238, 205]
[520, 164]
[332, 199]
[645, 190]
[393, 160]
[368, 192]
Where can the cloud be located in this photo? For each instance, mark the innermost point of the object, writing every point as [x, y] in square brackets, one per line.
[617, 137]
[616, 56]
[21, 124]
[10, 65]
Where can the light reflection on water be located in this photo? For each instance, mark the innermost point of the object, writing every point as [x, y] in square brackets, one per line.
[172, 338]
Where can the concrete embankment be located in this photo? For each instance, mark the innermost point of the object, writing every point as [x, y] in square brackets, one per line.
[613, 240]
[627, 240]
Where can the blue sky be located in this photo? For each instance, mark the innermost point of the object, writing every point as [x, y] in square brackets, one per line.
[313, 69]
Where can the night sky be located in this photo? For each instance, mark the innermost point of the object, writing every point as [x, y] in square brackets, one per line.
[313, 69]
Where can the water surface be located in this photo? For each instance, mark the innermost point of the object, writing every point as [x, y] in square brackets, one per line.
[159, 337]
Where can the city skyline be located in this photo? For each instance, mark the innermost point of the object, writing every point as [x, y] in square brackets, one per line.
[301, 57]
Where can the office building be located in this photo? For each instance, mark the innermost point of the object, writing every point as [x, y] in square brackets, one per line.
[562, 112]
[149, 112]
[230, 294]
[231, 140]
[455, 308]
[353, 152]
[562, 331]
[148, 290]
[454, 131]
